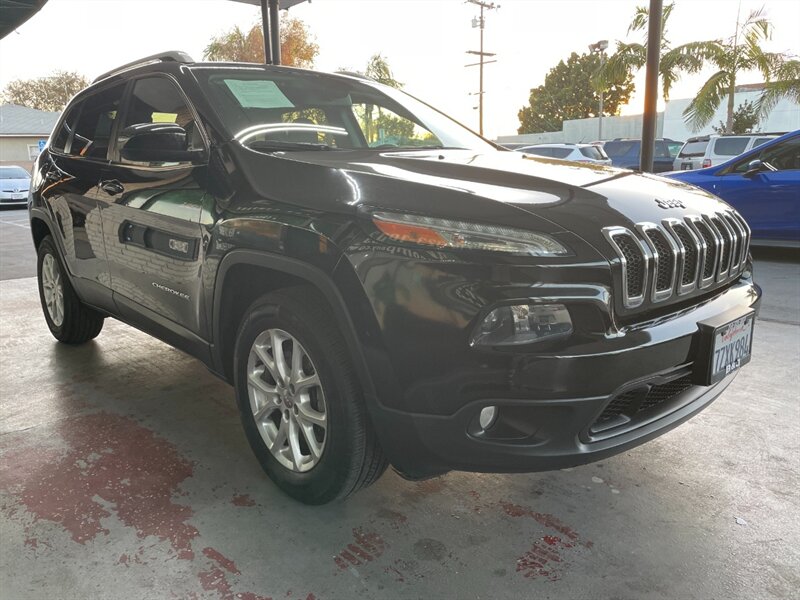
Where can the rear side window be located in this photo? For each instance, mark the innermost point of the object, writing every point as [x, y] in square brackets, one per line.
[561, 152]
[693, 149]
[60, 138]
[617, 149]
[93, 130]
[592, 152]
[539, 151]
[759, 141]
[730, 146]
[662, 150]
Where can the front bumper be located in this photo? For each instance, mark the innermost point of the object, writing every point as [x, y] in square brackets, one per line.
[650, 364]
[9, 198]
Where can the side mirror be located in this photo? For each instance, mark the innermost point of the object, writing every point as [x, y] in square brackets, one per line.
[157, 143]
[754, 167]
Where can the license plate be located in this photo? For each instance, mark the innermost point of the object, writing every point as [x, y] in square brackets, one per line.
[18, 196]
[686, 167]
[731, 347]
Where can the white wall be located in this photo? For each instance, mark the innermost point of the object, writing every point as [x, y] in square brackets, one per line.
[785, 117]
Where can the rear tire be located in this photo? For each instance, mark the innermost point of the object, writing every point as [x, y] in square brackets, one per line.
[69, 320]
[311, 410]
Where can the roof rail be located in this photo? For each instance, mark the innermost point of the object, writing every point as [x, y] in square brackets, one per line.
[169, 56]
[355, 74]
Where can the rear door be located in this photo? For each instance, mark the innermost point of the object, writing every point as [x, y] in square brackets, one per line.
[768, 200]
[151, 215]
[78, 160]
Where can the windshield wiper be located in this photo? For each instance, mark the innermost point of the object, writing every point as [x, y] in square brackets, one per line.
[279, 146]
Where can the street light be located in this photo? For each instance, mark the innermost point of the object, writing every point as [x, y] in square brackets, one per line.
[600, 48]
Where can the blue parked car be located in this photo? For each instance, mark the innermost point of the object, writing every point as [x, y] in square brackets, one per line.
[625, 153]
[763, 184]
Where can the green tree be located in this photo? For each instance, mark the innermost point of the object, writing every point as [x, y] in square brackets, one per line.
[45, 93]
[745, 120]
[568, 92]
[631, 57]
[298, 48]
[786, 85]
[739, 53]
[378, 69]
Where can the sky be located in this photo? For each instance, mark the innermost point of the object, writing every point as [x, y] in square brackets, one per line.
[425, 41]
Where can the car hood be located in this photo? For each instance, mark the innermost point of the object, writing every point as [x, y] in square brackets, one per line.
[14, 184]
[504, 188]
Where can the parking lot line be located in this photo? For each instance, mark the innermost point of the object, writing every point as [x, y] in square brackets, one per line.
[22, 224]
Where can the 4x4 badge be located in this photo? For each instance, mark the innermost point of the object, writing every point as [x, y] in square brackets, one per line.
[669, 203]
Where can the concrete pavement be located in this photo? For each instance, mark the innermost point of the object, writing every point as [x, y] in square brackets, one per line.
[124, 474]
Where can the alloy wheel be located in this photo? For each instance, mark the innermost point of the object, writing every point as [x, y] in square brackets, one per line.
[53, 289]
[287, 400]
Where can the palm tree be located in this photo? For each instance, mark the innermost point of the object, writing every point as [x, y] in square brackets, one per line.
[786, 85]
[629, 58]
[741, 52]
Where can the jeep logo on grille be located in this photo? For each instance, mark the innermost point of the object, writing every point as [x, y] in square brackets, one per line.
[669, 203]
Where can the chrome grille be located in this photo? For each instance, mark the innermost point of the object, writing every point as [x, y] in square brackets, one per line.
[677, 257]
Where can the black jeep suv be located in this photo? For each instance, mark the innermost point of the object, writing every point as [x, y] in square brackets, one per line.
[380, 284]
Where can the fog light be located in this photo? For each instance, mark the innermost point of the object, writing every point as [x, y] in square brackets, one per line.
[487, 417]
[522, 324]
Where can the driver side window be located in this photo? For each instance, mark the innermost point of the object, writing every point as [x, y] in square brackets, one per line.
[158, 100]
[783, 157]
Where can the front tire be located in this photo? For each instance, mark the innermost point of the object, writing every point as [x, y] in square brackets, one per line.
[69, 320]
[301, 406]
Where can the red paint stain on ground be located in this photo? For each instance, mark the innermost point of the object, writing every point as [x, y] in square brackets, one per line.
[221, 560]
[543, 560]
[111, 464]
[514, 510]
[243, 500]
[366, 547]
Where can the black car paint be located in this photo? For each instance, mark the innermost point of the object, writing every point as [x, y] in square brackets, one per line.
[406, 312]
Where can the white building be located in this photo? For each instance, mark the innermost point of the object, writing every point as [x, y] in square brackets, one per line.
[785, 117]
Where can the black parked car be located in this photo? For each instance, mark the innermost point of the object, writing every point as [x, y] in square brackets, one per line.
[380, 284]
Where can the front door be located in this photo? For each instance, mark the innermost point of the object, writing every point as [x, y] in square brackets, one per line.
[151, 218]
[770, 199]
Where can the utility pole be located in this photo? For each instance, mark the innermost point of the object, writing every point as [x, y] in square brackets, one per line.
[480, 22]
[600, 48]
[654, 28]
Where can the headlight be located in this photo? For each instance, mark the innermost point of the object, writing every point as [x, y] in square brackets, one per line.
[444, 233]
[522, 324]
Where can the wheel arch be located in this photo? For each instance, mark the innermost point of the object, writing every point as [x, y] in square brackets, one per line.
[262, 273]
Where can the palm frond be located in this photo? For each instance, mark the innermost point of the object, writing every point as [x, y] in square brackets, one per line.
[627, 59]
[786, 85]
[705, 104]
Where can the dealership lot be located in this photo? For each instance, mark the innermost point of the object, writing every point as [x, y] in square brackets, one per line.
[124, 474]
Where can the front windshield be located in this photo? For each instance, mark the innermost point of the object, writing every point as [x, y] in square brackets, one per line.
[283, 110]
[13, 173]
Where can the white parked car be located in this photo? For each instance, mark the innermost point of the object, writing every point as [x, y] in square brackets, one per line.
[14, 184]
[583, 153]
[712, 150]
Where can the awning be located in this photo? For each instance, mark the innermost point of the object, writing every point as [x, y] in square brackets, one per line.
[283, 3]
[14, 13]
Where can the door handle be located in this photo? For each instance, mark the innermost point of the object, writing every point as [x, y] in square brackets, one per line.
[112, 187]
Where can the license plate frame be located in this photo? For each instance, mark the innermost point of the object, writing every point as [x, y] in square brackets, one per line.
[686, 167]
[715, 360]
